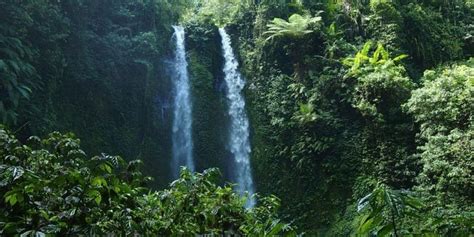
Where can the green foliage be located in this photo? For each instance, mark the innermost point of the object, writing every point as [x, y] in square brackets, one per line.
[217, 12]
[49, 186]
[388, 212]
[336, 46]
[374, 4]
[362, 58]
[306, 113]
[324, 129]
[383, 210]
[384, 24]
[98, 71]
[430, 38]
[18, 75]
[296, 26]
[264, 222]
[444, 109]
[380, 84]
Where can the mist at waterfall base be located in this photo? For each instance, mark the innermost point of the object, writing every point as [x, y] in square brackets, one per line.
[239, 143]
[182, 109]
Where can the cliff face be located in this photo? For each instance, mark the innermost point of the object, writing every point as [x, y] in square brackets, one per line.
[102, 74]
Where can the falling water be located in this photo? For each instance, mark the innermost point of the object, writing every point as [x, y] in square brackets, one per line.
[182, 121]
[239, 125]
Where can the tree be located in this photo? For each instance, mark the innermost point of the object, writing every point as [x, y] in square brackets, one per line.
[294, 29]
[444, 108]
[296, 26]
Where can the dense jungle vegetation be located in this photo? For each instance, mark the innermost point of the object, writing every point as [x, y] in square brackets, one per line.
[361, 115]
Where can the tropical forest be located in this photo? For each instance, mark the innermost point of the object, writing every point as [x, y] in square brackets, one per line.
[351, 118]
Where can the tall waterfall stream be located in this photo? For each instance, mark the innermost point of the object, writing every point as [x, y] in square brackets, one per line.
[239, 142]
[182, 110]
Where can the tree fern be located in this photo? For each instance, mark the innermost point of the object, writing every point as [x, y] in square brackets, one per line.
[296, 26]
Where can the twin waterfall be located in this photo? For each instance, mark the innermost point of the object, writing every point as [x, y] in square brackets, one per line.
[182, 122]
[239, 144]
[239, 124]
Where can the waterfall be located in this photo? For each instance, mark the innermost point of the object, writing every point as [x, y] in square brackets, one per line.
[182, 121]
[239, 143]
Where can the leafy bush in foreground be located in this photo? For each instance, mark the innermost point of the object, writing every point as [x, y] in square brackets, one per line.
[50, 186]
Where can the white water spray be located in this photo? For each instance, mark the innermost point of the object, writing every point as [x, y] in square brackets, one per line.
[182, 121]
[239, 125]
